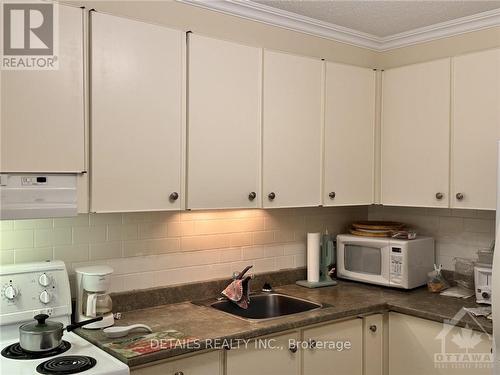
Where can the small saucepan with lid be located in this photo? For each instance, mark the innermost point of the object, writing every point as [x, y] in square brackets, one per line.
[44, 335]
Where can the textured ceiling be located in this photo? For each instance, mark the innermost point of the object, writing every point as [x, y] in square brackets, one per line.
[383, 18]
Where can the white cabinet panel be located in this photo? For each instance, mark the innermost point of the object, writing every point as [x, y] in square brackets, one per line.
[476, 125]
[322, 359]
[415, 135]
[349, 135]
[136, 129]
[42, 117]
[418, 346]
[292, 121]
[224, 124]
[373, 343]
[198, 364]
[277, 359]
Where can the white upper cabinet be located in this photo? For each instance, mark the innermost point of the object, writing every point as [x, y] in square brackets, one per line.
[476, 126]
[292, 122]
[349, 135]
[224, 118]
[42, 116]
[137, 115]
[416, 134]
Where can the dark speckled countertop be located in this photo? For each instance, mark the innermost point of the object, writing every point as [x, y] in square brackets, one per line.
[346, 299]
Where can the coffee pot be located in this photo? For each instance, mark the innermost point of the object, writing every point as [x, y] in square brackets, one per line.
[93, 299]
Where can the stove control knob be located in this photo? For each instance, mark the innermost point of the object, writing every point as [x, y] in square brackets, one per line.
[44, 297]
[44, 280]
[485, 295]
[10, 292]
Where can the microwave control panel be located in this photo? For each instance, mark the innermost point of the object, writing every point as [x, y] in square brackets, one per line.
[396, 265]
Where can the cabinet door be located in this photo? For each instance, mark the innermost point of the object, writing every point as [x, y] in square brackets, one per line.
[198, 364]
[418, 346]
[349, 135]
[136, 115]
[224, 124]
[373, 332]
[276, 359]
[476, 125]
[416, 134]
[320, 358]
[292, 130]
[42, 116]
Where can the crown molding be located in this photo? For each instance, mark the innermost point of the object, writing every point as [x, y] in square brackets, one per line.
[295, 22]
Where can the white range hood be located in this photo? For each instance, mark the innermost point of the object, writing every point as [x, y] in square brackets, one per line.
[31, 196]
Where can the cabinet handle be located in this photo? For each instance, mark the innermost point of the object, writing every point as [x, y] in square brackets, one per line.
[439, 196]
[293, 348]
[312, 344]
[460, 196]
[252, 196]
[332, 195]
[271, 196]
[174, 196]
[179, 373]
[373, 328]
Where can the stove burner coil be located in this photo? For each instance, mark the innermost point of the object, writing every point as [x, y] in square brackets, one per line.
[71, 364]
[15, 351]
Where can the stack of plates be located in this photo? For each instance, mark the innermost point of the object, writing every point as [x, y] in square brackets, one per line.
[376, 228]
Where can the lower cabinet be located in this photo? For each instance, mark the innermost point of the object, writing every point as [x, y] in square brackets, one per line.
[199, 364]
[277, 355]
[334, 349]
[378, 344]
[419, 346]
[374, 344]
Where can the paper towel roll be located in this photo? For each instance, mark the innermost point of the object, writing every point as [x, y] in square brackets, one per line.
[313, 255]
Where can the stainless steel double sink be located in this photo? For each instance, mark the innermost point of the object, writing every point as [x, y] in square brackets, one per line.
[264, 306]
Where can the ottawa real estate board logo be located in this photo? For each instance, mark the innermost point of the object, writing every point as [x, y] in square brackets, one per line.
[29, 35]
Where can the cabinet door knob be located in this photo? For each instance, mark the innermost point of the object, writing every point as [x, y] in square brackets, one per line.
[174, 196]
[439, 196]
[271, 196]
[373, 328]
[252, 196]
[460, 196]
[332, 195]
[293, 348]
[312, 344]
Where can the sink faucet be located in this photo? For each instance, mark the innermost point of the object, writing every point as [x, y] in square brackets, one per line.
[239, 275]
[238, 290]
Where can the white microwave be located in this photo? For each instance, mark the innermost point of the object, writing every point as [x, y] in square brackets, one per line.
[385, 261]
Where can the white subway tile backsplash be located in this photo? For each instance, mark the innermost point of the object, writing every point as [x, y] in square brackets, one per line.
[16, 239]
[274, 251]
[106, 250]
[82, 235]
[34, 255]
[72, 253]
[52, 237]
[457, 232]
[284, 262]
[149, 249]
[33, 224]
[7, 225]
[252, 252]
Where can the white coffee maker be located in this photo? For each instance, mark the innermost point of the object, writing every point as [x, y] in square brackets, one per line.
[92, 298]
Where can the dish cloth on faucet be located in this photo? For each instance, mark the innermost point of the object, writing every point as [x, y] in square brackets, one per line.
[238, 290]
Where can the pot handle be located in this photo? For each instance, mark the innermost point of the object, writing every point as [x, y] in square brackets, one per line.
[72, 327]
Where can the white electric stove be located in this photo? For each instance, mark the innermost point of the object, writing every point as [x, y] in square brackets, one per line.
[34, 288]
